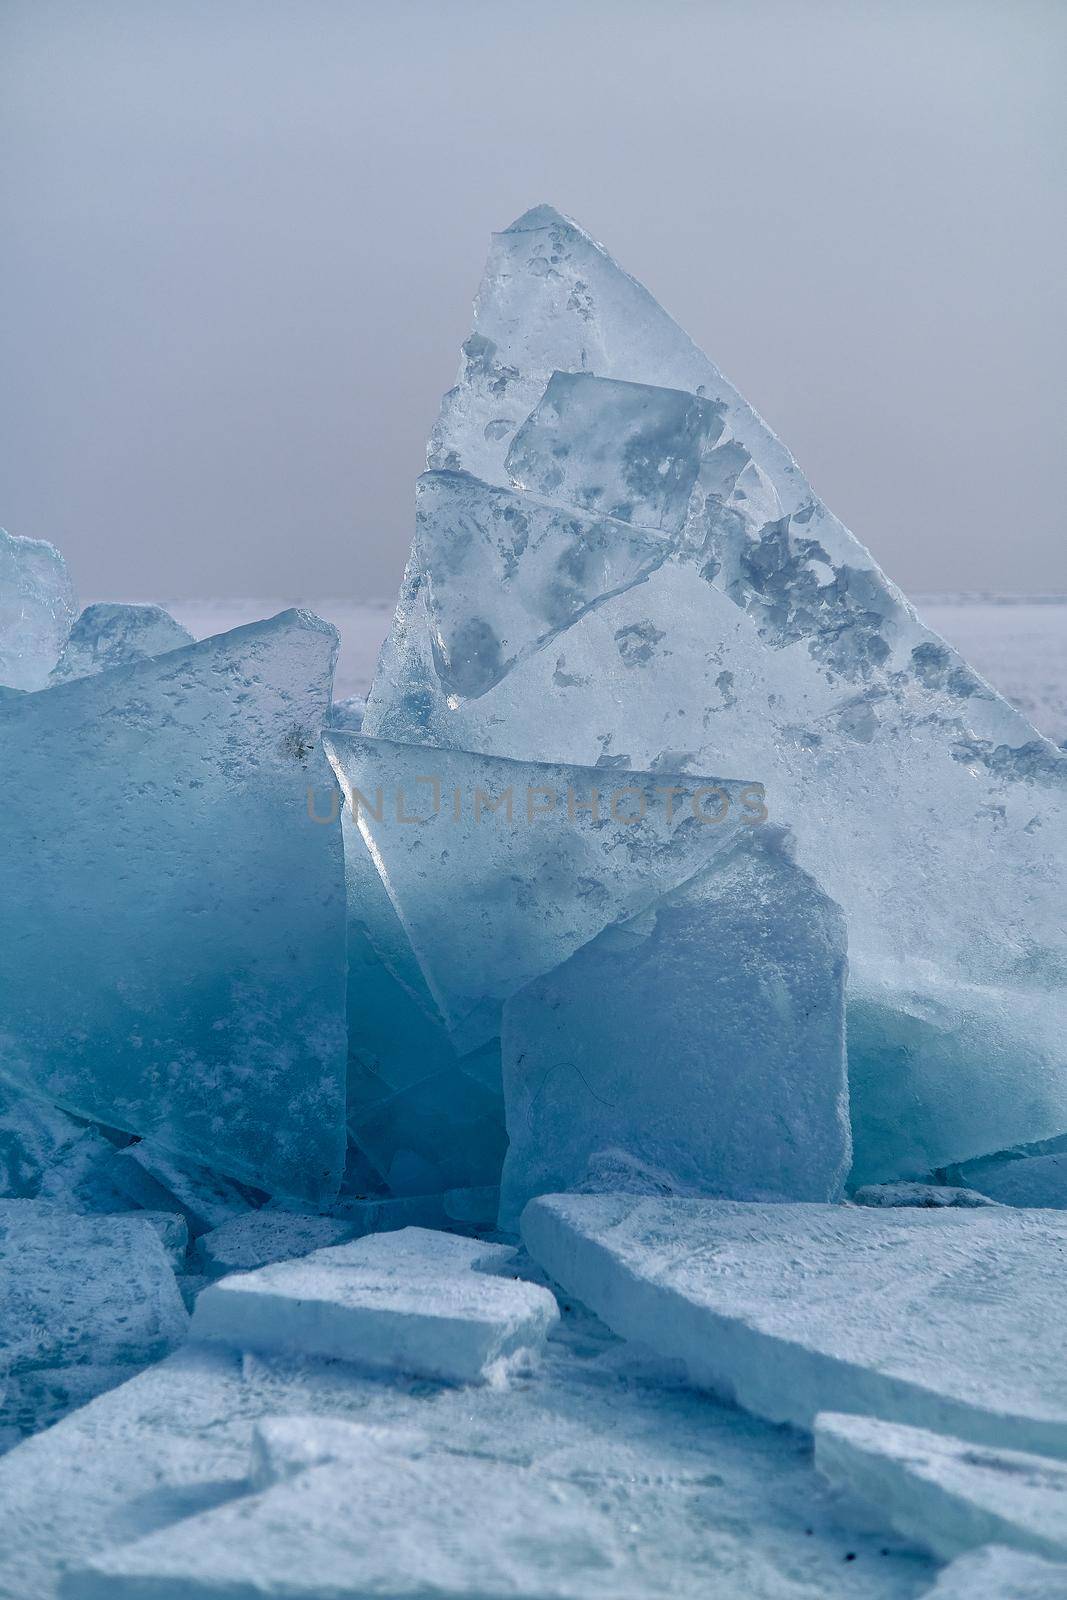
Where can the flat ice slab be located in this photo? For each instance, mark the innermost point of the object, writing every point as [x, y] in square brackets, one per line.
[358, 1511]
[176, 965]
[706, 1500]
[998, 1573]
[948, 1319]
[413, 1301]
[261, 1237]
[943, 1493]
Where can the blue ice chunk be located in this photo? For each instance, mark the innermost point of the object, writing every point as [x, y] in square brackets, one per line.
[499, 870]
[113, 636]
[172, 956]
[37, 608]
[705, 1040]
[767, 640]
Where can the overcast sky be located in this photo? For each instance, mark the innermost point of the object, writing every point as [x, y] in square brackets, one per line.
[240, 241]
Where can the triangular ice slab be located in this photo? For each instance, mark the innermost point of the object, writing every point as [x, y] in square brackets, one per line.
[172, 955]
[933, 1318]
[500, 870]
[765, 640]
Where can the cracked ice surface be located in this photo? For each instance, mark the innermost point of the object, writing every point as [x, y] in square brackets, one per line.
[797, 1309]
[700, 1499]
[559, 606]
[108, 635]
[173, 961]
[946, 1495]
[37, 608]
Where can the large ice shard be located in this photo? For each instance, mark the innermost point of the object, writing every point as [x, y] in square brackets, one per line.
[378, 1514]
[705, 1039]
[616, 562]
[500, 870]
[37, 608]
[108, 635]
[172, 956]
[796, 1309]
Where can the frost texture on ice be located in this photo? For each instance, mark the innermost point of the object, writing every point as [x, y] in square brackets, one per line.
[173, 955]
[705, 1038]
[570, 598]
[499, 870]
[702, 1498]
[374, 1514]
[946, 1495]
[932, 1318]
[37, 609]
[259, 1237]
[108, 635]
[410, 1302]
[96, 1293]
[930, 1195]
[999, 1573]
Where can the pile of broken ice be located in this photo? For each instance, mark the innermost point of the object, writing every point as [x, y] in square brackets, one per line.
[473, 1144]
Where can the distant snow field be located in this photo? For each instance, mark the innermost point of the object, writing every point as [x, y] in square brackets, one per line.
[1019, 646]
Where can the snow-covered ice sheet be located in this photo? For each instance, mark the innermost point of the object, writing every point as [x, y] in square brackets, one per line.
[173, 955]
[416, 1301]
[704, 1499]
[111, 635]
[997, 1572]
[945, 1494]
[380, 1515]
[942, 1318]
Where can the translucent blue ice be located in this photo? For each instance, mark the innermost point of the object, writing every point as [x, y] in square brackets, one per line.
[172, 953]
[37, 608]
[763, 639]
[113, 636]
[705, 1039]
